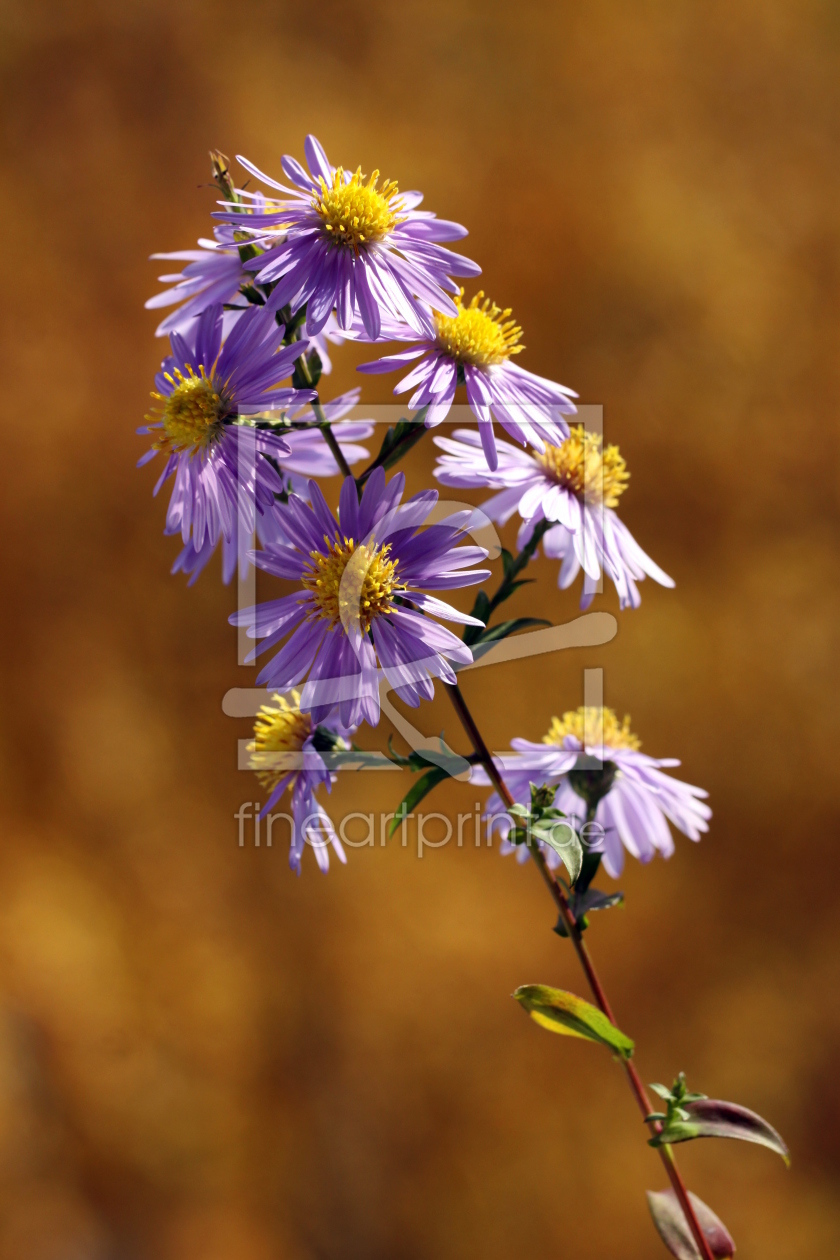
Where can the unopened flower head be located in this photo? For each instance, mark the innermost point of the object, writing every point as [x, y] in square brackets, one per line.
[475, 347]
[286, 754]
[340, 240]
[220, 464]
[575, 485]
[363, 610]
[601, 777]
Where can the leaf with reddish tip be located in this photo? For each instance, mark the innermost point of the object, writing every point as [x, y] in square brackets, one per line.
[562, 1012]
[675, 1231]
[710, 1117]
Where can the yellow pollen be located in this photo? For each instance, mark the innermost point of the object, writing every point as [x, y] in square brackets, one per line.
[585, 724]
[352, 585]
[192, 414]
[581, 466]
[357, 213]
[481, 333]
[280, 730]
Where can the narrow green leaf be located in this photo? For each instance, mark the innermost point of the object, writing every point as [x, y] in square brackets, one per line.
[506, 590]
[562, 1012]
[710, 1117]
[675, 1232]
[494, 634]
[420, 788]
[406, 435]
[481, 610]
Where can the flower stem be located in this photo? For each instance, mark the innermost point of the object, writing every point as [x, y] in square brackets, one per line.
[585, 959]
[323, 422]
[332, 440]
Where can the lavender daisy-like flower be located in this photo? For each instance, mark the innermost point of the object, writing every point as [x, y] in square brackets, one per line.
[577, 485]
[362, 610]
[337, 240]
[475, 346]
[213, 274]
[308, 456]
[632, 797]
[286, 752]
[221, 467]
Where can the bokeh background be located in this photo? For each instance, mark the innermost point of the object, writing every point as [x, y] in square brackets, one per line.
[203, 1058]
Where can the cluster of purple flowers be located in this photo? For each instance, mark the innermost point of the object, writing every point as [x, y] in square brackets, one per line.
[245, 438]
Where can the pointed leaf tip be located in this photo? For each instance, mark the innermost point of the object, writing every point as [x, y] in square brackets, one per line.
[711, 1117]
[564, 1013]
[675, 1232]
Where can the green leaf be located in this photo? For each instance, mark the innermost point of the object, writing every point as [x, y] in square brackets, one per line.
[481, 610]
[420, 788]
[421, 758]
[397, 442]
[710, 1117]
[563, 840]
[494, 634]
[583, 903]
[675, 1232]
[562, 1012]
[592, 899]
[506, 590]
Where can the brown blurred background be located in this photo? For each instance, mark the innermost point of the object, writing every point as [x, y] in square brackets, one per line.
[203, 1058]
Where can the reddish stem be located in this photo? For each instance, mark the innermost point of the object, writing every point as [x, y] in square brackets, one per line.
[576, 937]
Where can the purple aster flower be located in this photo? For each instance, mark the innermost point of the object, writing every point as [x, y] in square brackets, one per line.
[286, 753]
[220, 466]
[635, 798]
[214, 275]
[474, 346]
[308, 456]
[337, 241]
[576, 484]
[361, 611]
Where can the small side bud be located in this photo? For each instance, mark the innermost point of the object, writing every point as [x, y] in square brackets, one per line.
[221, 175]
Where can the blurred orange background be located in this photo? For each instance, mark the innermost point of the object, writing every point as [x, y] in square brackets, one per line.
[204, 1058]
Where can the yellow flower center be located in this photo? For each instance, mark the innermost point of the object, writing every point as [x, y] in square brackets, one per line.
[592, 726]
[357, 213]
[192, 414]
[352, 585]
[581, 466]
[280, 732]
[480, 333]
